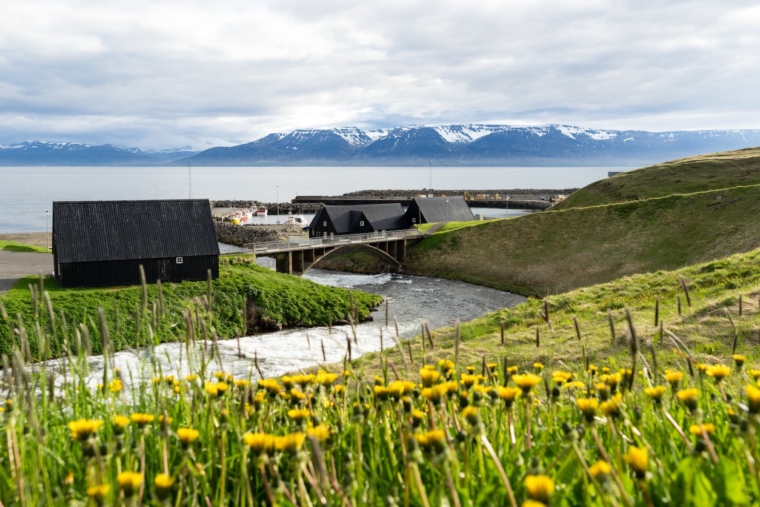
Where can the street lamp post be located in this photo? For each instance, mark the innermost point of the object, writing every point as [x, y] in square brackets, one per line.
[47, 228]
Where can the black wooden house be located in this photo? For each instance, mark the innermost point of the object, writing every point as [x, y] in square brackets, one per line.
[357, 219]
[438, 209]
[104, 243]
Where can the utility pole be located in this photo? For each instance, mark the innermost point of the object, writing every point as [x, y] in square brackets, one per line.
[190, 178]
[278, 204]
[430, 180]
[47, 228]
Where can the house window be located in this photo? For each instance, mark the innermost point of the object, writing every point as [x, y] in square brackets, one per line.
[414, 220]
[180, 260]
[361, 223]
[324, 224]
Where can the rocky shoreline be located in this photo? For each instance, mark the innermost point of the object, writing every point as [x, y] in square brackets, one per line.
[524, 193]
[240, 235]
[286, 208]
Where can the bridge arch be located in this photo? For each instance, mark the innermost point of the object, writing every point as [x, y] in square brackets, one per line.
[382, 254]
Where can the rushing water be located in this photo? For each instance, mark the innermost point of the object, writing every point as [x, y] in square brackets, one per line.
[412, 301]
[27, 192]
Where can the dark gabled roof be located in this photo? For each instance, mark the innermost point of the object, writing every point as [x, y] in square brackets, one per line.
[444, 209]
[381, 216]
[120, 230]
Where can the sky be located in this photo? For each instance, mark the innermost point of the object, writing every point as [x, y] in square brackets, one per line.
[160, 74]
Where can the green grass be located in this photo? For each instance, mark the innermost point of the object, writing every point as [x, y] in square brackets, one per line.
[277, 299]
[12, 246]
[556, 251]
[695, 174]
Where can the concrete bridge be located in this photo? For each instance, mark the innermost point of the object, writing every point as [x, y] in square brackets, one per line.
[297, 255]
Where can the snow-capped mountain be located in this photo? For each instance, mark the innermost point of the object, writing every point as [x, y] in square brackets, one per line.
[463, 145]
[476, 145]
[64, 153]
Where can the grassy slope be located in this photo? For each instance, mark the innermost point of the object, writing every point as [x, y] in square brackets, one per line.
[556, 251]
[12, 246]
[279, 298]
[694, 174]
[714, 287]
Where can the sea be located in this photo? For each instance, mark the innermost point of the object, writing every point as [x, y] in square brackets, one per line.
[27, 193]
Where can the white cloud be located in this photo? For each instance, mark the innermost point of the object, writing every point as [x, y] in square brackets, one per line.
[163, 73]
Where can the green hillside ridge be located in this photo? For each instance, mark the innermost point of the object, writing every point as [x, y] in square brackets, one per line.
[557, 251]
[706, 327]
[12, 246]
[694, 174]
[271, 299]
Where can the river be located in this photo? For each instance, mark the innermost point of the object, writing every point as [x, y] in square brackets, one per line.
[27, 192]
[412, 301]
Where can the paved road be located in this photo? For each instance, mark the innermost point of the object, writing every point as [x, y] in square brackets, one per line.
[15, 265]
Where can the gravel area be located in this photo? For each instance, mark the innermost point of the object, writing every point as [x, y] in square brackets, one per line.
[29, 238]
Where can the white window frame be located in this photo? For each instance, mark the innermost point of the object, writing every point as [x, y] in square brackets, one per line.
[180, 260]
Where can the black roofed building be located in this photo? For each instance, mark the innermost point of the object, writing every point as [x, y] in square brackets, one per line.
[439, 209]
[104, 243]
[358, 219]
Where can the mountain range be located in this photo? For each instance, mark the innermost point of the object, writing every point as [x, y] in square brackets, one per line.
[495, 145]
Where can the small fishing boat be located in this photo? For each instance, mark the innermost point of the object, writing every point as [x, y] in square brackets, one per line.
[298, 220]
[261, 211]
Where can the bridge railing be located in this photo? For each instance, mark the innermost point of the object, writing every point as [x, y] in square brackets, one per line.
[296, 243]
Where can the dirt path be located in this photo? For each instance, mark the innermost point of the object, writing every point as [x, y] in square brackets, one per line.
[15, 265]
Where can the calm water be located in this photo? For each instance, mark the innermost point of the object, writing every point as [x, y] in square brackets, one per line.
[27, 192]
[412, 300]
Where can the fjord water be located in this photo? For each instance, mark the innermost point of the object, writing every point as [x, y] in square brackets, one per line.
[412, 300]
[27, 192]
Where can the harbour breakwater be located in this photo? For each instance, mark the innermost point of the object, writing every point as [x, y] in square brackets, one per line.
[285, 208]
[527, 194]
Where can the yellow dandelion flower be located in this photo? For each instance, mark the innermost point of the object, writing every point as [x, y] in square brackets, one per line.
[697, 429]
[291, 443]
[429, 377]
[320, 432]
[587, 407]
[221, 388]
[211, 389]
[259, 443]
[445, 364]
[326, 379]
[193, 377]
[242, 383]
[753, 399]
[600, 470]
[469, 380]
[120, 423]
[719, 372]
[739, 360]
[560, 377]
[187, 436]
[540, 488]
[432, 440]
[638, 459]
[574, 385]
[340, 388]
[83, 429]
[471, 415]
[298, 415]
[165, 420]
[142, 419]
[539, 367]
[611, 408]
[272, 386]
[115, 386]
[508, 394]
[592, 370]
[533, 503]
[129, 482]
[655, 393]
[163, 484]
[512, 370]
[526, 381]
[755, 374]
[613, 379]
[98, 493]
[688, 397]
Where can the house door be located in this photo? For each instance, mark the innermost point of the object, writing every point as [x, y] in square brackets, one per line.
[165, 270]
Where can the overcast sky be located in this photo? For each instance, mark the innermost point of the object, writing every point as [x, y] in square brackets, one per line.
[158, 74]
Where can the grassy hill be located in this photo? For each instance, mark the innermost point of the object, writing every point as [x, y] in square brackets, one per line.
[706, 327]
[556, 251]
[684, 176]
